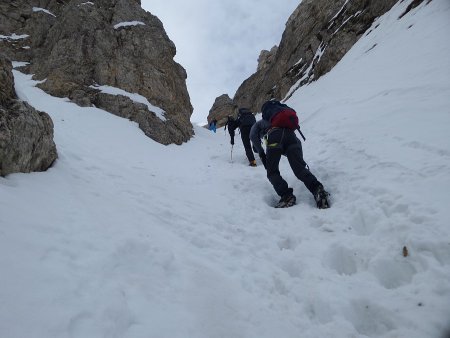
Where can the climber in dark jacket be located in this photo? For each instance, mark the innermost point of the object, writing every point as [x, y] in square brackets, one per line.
[244, 122]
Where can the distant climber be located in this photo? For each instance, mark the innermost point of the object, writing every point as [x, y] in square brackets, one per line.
[283, 141]
[213, 125]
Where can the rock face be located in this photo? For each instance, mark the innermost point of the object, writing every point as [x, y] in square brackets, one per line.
[26, 135]
[317, 36]
[76, 45]
[223, 107]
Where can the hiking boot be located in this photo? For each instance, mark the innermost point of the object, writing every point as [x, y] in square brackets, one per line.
[286, 201]
[321, 198]
[252, 163]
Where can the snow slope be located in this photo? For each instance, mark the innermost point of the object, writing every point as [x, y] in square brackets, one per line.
[124, 237]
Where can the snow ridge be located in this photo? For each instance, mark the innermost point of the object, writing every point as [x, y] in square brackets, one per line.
[134, 97]
[38, 9]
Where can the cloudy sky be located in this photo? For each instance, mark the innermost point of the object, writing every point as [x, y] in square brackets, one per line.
[218, 41]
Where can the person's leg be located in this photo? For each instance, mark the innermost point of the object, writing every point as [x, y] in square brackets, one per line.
[294, 154]
[273, 156]
[245, 135]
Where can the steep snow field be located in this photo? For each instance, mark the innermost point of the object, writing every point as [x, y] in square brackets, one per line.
[124, 237]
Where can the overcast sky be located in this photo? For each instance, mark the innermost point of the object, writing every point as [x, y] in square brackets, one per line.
[218, 41]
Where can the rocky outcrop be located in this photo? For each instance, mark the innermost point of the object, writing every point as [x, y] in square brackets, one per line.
[222, 108]
[316, 37]
[26, 135]
[266, 58]
[77, 46]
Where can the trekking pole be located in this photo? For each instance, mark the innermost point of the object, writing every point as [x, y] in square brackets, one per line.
[231, 153]
[303, 136]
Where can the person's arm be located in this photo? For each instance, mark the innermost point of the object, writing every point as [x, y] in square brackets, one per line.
[262, 156]
[255, 132]
[237, 123]
[231, 135]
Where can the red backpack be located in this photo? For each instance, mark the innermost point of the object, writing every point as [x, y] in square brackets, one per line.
[280, 115]
[285, 118]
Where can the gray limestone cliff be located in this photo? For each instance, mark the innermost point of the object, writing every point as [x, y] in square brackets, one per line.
[81, 47]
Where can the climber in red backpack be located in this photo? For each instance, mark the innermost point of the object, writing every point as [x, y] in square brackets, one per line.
[279, 123]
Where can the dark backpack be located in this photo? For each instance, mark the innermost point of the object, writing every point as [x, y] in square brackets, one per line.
[246, 117]
[280, 115]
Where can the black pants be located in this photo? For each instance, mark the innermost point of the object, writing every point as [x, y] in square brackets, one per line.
[245, 135]
[284, 142]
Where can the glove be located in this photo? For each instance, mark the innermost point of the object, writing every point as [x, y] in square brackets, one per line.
[232, 142]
